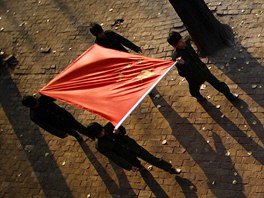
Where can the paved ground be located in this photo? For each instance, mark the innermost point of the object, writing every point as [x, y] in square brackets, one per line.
[220, 148]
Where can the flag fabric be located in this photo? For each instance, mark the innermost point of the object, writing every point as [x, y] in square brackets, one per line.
[107, 82]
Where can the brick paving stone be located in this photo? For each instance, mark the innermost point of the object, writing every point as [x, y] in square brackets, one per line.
[198, 138]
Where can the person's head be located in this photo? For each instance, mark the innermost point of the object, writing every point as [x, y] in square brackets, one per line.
[29, 101]
[96, 30]
[175, 40]
[95, 129]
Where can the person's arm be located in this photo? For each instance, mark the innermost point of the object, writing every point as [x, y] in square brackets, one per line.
[109, 127]
[179, 65]
[46, 98]
[189, 46]
[120, 131]
[174, 55]
[126, 42]
[194, 56]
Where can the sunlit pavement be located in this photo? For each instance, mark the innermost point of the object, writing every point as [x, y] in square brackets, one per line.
[218, 144]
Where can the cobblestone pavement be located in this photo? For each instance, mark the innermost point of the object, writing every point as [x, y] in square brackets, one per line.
[219, 145]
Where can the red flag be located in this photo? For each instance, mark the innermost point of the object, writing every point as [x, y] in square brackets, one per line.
[107, 82]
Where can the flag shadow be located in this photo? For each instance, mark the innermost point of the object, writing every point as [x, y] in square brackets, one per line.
[217, 167]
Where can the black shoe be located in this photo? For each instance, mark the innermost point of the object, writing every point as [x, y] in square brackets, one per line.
[200, 98]
[175, 171]
[232, 97]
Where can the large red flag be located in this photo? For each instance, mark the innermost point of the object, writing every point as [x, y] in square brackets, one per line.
[107, 82]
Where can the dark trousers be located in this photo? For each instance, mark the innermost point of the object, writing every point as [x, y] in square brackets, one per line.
[218, 85]
[142, 153]
[151, 159]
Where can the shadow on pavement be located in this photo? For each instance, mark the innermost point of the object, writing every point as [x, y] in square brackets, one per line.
[217, 167]
[188, 188]
[153, 184]
[242, 138]
[124, 187]
[45, 169]
[23, 33]
[110, 184]
[250, 118]
[83, 30]
[242, 68]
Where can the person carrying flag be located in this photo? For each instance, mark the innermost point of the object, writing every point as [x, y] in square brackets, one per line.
[52, 118]
[194, 70]
[123, 150]
[112, 40]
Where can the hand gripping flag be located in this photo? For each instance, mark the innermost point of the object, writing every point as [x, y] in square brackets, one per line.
[107, 82]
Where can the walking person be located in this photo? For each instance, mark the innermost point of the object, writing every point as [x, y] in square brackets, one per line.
[52, 118]
[123, 150]
[112, 40]
[194, 70]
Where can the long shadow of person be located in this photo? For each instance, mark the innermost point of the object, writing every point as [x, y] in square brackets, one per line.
[250, 146]
[125, 189]
[244, 69]
[250, 118]
[73, 18]
[110, 184]
[45, 167]
[217, 167]
[153, 184]
[188, 188]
